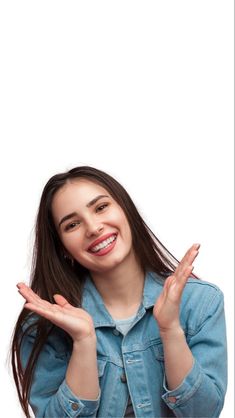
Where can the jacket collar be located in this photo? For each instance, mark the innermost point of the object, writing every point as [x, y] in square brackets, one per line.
[93, 303]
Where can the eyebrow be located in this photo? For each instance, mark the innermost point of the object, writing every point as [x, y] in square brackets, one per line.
[91, 203]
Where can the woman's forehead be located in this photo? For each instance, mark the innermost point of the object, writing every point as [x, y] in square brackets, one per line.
[80, 186]
[76, 192]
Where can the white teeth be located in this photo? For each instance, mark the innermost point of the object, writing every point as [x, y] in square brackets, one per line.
[103, 244]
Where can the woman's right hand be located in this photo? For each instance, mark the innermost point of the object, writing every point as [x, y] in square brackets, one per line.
[75, 321]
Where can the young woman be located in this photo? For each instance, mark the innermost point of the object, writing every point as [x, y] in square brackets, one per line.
[113, 325]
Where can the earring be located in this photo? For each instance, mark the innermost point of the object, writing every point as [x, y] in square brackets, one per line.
[66, 257]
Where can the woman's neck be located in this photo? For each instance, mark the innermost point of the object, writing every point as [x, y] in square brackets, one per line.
[121, 289]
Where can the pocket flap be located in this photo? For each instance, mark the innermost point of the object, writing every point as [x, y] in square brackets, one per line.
[101, 367]
[158, 351]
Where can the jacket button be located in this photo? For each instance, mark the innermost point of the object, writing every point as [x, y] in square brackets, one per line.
[75, 406]
[123, 378]
[116, 332]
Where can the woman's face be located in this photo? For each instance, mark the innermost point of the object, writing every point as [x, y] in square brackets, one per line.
[85, 212]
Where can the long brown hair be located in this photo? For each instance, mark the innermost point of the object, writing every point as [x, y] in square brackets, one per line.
[52, 272]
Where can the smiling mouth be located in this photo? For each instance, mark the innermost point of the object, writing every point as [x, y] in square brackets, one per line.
[104, 244]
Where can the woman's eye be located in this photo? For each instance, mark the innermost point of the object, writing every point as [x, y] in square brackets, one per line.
[102, 206]
[71, 226]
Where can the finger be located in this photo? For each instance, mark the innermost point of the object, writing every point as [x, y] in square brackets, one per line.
[26, 290]
[32, 297]
[176, 286]
[171, 287]
[29, 296]
[179, 272]
[166, 287]
[181, 281]
[60, 300]
[187, 260]
[190, 254]
[49, 314]
[168, 282]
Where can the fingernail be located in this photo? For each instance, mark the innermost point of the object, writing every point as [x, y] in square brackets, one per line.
[20, 284]
[197, 246]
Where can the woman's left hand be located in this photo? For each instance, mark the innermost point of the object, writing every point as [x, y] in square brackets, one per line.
[166, 308]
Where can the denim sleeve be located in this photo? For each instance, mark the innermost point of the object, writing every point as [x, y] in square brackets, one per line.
[202, 392]
[50, 396]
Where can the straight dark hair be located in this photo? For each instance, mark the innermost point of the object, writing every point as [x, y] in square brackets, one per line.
[52, 272]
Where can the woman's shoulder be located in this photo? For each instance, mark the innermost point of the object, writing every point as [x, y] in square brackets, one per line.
[201, 288]
[202, 293]
[194, 286]
[201, 300]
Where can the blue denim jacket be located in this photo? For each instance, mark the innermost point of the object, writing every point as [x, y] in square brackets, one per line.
[134, 364]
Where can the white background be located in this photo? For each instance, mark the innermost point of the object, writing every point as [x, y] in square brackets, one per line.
[142, 90]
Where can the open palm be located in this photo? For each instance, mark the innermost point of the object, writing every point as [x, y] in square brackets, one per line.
[75, 321]
[167, 306]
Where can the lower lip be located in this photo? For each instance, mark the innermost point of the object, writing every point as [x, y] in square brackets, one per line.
[105, 250]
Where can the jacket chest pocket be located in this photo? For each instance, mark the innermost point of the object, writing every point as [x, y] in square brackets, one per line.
[158, 351]
[101, 364]
[158, 354]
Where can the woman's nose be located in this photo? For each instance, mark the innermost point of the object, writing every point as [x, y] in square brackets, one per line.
[94, 229]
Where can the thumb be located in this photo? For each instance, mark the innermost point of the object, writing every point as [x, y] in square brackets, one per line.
[60, 300]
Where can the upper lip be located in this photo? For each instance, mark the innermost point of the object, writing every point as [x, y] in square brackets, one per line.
[103, 238]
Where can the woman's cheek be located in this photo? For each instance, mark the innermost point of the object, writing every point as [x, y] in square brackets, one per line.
[116, 218]
[72, 241]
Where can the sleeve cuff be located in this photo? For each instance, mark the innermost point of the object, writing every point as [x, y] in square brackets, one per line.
[73, 406]
[185, 390]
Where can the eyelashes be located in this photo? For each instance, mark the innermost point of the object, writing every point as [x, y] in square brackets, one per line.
[74, 223]
[102, 206]
[70, 226]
